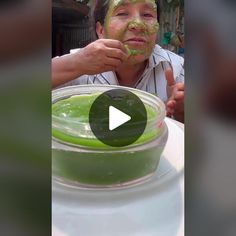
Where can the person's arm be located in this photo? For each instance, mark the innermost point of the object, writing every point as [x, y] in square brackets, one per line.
[64, 69]
[97, 57]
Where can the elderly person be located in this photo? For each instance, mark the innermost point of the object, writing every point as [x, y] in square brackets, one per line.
[126, 54]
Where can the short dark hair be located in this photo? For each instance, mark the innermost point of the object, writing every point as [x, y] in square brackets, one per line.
[101, 8]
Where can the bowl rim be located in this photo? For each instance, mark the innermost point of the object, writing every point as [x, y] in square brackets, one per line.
[71, 89]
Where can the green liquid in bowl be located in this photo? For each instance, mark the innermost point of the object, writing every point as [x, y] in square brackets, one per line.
[85, 160]
[76, 110]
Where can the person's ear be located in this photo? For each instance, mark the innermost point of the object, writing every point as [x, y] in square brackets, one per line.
[100, 30]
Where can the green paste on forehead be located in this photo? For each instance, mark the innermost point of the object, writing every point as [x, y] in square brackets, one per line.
[118, 3]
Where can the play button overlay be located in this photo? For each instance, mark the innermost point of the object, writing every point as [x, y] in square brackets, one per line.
[118, 117]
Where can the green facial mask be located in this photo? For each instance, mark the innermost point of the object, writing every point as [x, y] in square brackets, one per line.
[146, 28]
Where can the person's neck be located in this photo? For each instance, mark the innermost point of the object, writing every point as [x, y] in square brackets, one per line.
[128, 75]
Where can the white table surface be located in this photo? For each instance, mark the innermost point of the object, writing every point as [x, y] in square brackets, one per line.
[151, 209]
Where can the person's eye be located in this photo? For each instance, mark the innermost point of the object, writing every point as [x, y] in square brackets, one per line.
[121, 14]
[148, 15]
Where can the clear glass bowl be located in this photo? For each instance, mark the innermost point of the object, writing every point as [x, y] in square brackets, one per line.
[80, 159]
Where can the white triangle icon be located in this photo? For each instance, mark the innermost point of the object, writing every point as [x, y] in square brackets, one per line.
[117, 118]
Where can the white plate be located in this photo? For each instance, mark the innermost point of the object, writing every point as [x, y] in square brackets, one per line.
[151, 209]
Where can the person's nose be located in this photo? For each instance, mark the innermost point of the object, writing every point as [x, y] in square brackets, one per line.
[136, 24]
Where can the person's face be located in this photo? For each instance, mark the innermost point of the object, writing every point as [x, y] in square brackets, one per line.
[134, 23]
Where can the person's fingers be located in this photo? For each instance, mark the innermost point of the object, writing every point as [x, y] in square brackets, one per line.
[112, 62]
[179, 95]
[109, 68]
[170, 77]
[180, 86]
[113, 43]
[171, 104]
[116, 53]
[170, 112]
[170, 107]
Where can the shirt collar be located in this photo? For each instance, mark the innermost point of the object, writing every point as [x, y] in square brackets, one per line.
[158, 55]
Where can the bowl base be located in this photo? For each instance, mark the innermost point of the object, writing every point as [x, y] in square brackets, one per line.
[78, 185]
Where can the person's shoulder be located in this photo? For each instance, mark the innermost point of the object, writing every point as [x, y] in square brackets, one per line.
[167, 55]
[74, 50]
[70, 52]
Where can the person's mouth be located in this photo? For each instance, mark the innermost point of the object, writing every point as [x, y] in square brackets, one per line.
[136, 41]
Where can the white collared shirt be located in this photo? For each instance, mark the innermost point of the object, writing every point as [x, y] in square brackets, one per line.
[152, 80]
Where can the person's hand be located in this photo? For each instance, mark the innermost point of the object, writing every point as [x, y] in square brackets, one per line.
[101, 55]
[175, 93]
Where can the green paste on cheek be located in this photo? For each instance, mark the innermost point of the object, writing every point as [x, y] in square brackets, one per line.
[154, 29]
[147, 30]
[132, 52]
